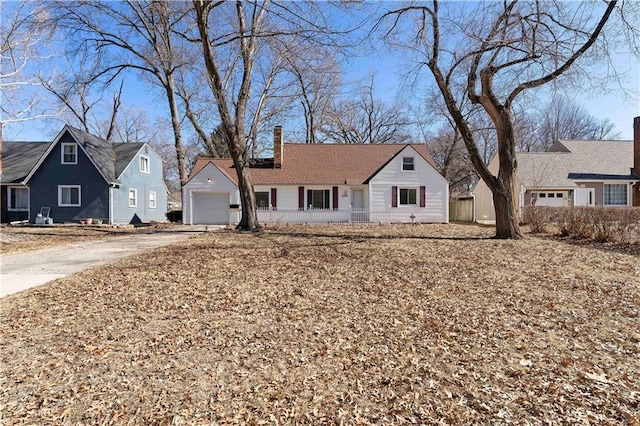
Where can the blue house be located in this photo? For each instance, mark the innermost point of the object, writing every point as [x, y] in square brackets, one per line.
[80, 176]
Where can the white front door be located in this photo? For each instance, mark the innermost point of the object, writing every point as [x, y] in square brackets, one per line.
[584, 197]
[357, 198]
[358, 212]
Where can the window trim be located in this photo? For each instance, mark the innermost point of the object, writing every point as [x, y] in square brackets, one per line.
[75, 147]
[148, 162]
[10, 207]
[62, 187]
[155, 200]
[407, 188]
[604, 194]
[413, 164]
[135, 197]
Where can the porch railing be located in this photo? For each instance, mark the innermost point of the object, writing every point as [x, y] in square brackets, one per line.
[351, 215]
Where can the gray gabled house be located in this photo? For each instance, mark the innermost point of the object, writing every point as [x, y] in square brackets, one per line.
[572, 173]
[80, 176]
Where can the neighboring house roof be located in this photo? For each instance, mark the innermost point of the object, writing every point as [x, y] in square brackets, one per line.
[579, 160]
[322, 164]
[18, 158]
[125, 152]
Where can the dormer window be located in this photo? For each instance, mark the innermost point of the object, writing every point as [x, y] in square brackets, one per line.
[69, 153]
[407, 163]
[144, 164]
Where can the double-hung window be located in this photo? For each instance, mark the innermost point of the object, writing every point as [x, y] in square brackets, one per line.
[407, 163]
[615, 194]
[262, 200]
[408, 196]
[133, 197]
[152, 199]
[69, 153]
[69, 196]
[318, 198]
[144, 164]
[18, 199]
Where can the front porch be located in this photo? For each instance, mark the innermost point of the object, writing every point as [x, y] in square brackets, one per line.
[348, 215]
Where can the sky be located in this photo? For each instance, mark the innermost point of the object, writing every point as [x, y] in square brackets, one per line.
[388, 71]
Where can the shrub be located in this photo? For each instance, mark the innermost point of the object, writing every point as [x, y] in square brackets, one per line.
[537, 218]
[174, 216]
[621, 224]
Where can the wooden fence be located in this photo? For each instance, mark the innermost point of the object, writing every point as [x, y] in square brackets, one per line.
[461, 209]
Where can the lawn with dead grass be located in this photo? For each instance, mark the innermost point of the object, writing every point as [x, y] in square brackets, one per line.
[432, 324]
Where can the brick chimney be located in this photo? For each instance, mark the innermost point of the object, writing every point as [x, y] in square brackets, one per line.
[278, 147]
[636, 160]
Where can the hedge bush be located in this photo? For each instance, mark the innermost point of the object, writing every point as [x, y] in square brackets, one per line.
[619, 224]
[174, 216]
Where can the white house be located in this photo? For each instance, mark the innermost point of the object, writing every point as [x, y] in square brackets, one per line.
[308, 183]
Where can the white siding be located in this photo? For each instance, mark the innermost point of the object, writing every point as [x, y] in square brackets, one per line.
[436, 209]
[199, 183]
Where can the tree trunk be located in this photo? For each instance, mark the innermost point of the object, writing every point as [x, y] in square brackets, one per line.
[177, 131]
[238, 150]
[507, 221]
[249, 218]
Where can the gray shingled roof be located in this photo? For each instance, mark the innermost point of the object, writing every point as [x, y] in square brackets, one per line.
[100, 150]
[18, 158]
[124, 154]
[587, 158]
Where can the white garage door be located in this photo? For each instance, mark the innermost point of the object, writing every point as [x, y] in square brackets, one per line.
[210, 208]
[551, 199]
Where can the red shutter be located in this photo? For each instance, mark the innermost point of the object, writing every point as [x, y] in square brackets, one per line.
[394, 196]
[335, 198]
[423, 196]
[301, 198]
[274, 198]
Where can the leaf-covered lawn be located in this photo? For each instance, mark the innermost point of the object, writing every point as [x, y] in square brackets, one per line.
[432, 324]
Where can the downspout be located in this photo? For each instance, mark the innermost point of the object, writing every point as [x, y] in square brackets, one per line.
[111, 188]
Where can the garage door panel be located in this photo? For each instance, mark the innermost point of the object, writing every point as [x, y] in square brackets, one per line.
[210, 208]
[551, 199]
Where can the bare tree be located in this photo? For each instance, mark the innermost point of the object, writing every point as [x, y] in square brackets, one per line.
[366, 120]
[495, 52]
[318, 79]
[448, 151]
[563, 119]
[242, 47]
[73, 92]
[136, 36]
[24, 41]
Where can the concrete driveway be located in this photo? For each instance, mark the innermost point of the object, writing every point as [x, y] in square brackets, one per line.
[30, 269]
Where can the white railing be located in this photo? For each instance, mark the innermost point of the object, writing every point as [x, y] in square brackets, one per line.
[351, 215]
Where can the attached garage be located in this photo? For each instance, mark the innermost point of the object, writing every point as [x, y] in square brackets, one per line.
[551, 199]
[209, 208]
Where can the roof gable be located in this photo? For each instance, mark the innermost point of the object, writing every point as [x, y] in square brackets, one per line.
[124, 154]
[110, 159]
[320, 164]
